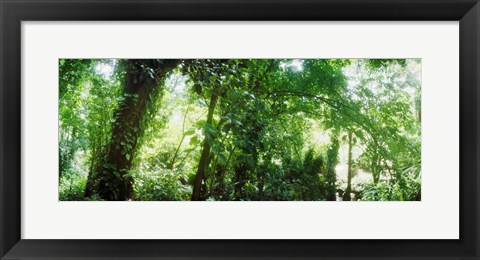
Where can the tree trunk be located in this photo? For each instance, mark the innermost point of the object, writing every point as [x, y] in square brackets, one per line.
[205, 156]
[332, 161]
[142, 77]
[348, 190]
[376, 169]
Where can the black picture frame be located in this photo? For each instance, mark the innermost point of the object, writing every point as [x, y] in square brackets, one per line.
[13, 12]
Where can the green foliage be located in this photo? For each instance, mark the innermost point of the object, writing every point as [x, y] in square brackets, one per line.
[72, 188]
[382, 63]
[160, 185]
[407, 190]
[247, 129]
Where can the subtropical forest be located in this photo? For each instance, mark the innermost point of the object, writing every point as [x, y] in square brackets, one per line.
[240, 129]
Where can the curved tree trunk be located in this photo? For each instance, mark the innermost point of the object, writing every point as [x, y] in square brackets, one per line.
[205, 156]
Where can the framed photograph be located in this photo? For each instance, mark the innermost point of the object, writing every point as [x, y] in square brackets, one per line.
[239, 129]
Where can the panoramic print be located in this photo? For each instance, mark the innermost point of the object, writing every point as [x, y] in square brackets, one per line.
[240, 130]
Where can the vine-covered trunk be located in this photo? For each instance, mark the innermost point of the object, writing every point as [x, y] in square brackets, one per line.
[205, 156]
[110, 178]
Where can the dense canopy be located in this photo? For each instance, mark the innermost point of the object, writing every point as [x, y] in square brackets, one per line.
[240, 129]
